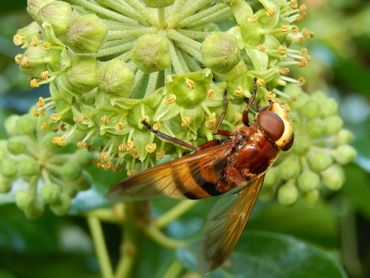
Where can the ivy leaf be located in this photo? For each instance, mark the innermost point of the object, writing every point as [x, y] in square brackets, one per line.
[265, 254]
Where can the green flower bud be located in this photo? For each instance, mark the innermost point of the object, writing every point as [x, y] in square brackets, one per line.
[333, 177]
[344, 136]
[11, 124]
[83, 75]
[71, 170]
[311, 109]
[35, 211]
[316, 128]
[300, 101]
[333, 124]
[8, 168]
[27, 167]
[115, 77]
[151, 53]
[290, 167]
[220, 52]
[33, 6]
[288, 194]
[319, 160]
[311, 197]
[5, 184]
[272, 177]
[58, 14]
[344, 154]
[62, 206]
[158, 3]
[330, 107]
[24, 199]
[26, 124]
[3, 149]
[50, 193]
[308, 181]
[17, 144]
[86, 34]
[301, 146]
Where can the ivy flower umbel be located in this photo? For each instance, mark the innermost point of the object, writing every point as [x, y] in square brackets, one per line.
[36, 170]
[111, 64]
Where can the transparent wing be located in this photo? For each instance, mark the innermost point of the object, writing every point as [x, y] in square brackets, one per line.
[174, 179]
[225, 224]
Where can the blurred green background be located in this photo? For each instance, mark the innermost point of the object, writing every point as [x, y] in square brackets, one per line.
[340, 65]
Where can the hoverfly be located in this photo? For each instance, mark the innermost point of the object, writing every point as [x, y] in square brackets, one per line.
[236, 165]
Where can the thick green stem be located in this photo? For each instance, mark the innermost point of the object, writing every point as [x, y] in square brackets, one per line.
[174, 213]
[144, 11]
[129, 34]
[115, 50]
[174, 270]
[156, 235]
[188, 9]
[175, 59]
[100, 247]
[189, 45]
[162, 17]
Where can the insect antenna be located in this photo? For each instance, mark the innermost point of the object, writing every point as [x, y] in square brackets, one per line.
[250, 103]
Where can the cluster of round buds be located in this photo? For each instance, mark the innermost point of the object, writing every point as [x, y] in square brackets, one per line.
[35, 171]
[321, 147]
[111, 64]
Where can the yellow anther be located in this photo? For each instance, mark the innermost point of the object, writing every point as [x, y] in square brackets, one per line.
[150, 148]
[261, 47]
[122, 148]
[169, 99]
[294, 4]
[159, 155]
[104, 119]
[46, 45]
[44, 125]
[44, 75]
[81, 144]
[18, 58]
[130, 145]
[185, 122]
[131, 172]
[284, 71]
[34, 83]
[134, 153]
[41, 102]
[157, 126]
[270, 12]
[253, 18]
[189, 83]
[211, 121]
[119, 126]
[79, 119]
[34, 41]
[238, 91]
[270, 95]
[261, 82]
[35, 112]
[211, 93]
[282, 50]
[55, 117]
[58, 140]
[18, 40]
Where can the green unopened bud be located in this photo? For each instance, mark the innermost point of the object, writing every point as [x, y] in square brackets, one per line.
[24, 199]
[333, 177]
[300, 101]
[329, 107]
[319, 160]
[271, 177]
[17, 144]
[50, 193]
[311, 197]
[220, 52]
[158, 3]
[290, 167]
[5, 184]
[344, 154]
[11, 125]
[58, 14]
[308, 181]
[311, 109]
[333, 124]
[344, 136]
[316, 128]
[288, 194]
[3, 149]
[71, 170]
[8, 168]
[115, 77]
[151, 53]
[62, 206]
[26, 124]
[27, 167]
[86, 34]
[83, 75]
[34, 211]
[301, 146]
[33, 6]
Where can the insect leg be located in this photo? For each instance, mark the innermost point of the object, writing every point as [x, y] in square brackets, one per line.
[223, 114]
[210, 144]
[168, 137]
[250, 103]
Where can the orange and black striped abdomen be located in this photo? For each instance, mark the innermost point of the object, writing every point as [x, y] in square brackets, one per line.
[197, 181]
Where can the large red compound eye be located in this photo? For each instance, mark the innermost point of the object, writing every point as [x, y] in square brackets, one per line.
[271, 123]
